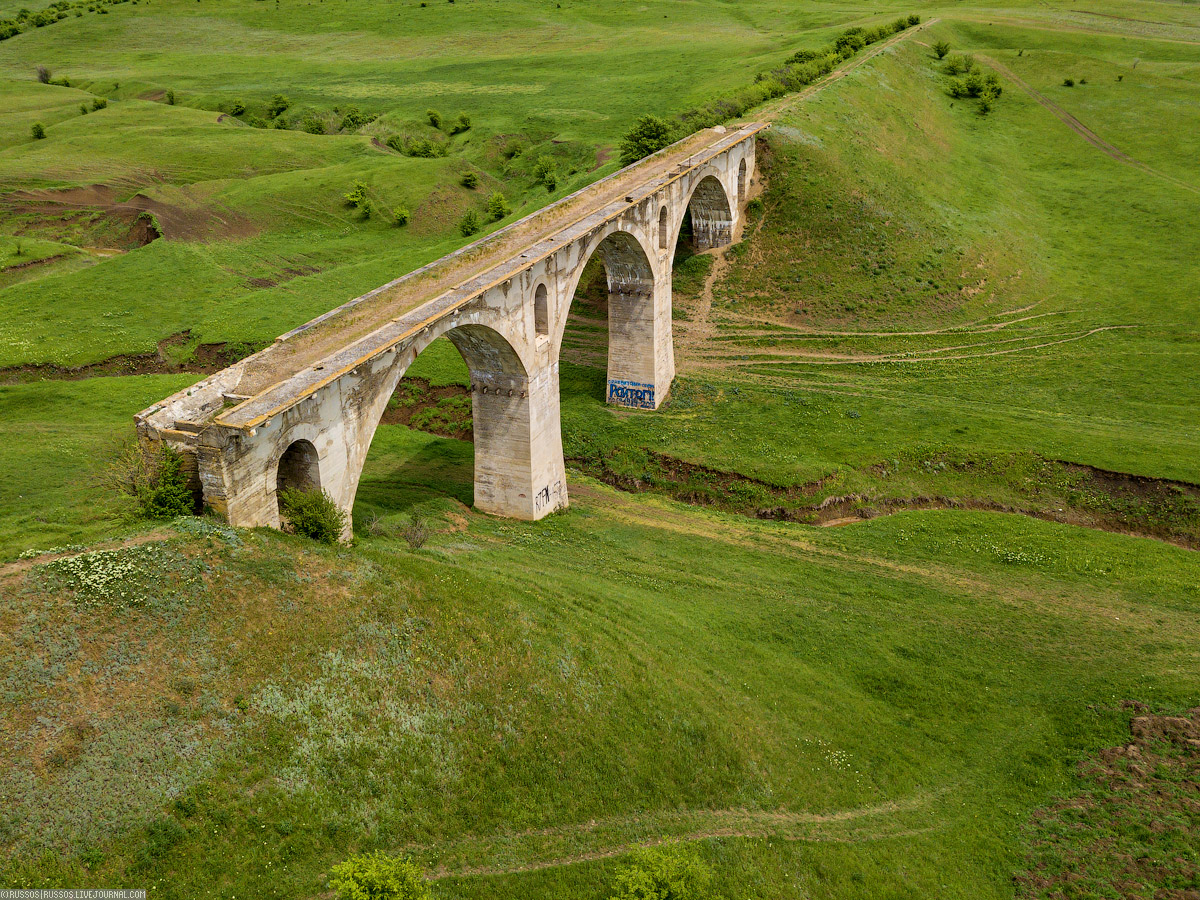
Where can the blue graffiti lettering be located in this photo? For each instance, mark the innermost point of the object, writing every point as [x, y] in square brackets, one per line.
[631, 394]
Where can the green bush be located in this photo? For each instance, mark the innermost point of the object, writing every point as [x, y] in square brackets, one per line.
[1068, 82]
[648, 135]
[312, 514]
[913, 20]
[236, 108]
[313, 125]
[83, 109]
[357, 194]
[497, 207]
[850, 42]
[469, 224]
[543, 172]
[470, 180]
[99, 103]
[152, 477]
[424, 148]
[170, 98]
[667, 872]
[353, 119]
[38, 130]
[377, 876]
[278, 104]
[434, 117]
[400, 216]
[959, 65]
[461, 124]
[941, 48]
[43, 74]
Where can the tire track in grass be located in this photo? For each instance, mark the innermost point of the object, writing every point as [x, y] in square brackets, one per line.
[1082, 130]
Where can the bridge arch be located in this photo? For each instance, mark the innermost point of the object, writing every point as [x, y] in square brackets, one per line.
[299, 469]
[640, 356]
[712, 214]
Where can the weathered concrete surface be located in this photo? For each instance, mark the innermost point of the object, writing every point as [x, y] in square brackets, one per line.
[303, 412]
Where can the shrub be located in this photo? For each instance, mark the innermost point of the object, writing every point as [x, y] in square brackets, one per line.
[1083, 81]
[170, 98]
[941, 48]
[497, 207]
[99, 103]
[667, 872]
[352, 119]
[43, 74]
[377, 876]
[850, 42]
[470, 180]
[434, 117]
[8, 28]
[913, 20]
[1068, 82]
[278, 104]
[83, 110]
[461, 124]
[420, 147]
[38, 130]
[648, 135]
[365, 209]
[543, 170]
[236, 108]
[400, 216]
[959, 65]
[416, 532]
[152, 477]
[357, 194]
[313, 125]
[312, 514]
[469, 224]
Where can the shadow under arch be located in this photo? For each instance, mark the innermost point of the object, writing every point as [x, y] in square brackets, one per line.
[402, 469]
[711, 214]
[298, 469]
[630, 285]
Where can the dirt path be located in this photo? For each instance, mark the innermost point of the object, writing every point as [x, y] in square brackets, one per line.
[658, 828]
[1082, 130]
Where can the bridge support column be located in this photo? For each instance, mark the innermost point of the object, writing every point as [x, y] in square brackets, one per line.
[519, 470]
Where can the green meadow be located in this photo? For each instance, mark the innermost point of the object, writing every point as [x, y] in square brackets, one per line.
[969, 339]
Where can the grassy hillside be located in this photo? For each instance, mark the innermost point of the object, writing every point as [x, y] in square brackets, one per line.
[933, 316]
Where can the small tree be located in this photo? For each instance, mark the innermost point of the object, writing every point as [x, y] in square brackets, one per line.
[152, 477]
[83, 110]
[497, 207]
[38, 130]
[278, 104]
[469, 224]
[914, 20]
[461, 124]
[543, 172]
[312, 514]
[400, 216]
[648, 135]
[236, 108]
[941, 48]
[357, 194]
[43, 74]
[470, 180]
[377, 876]
[170, 98]
[435, 117]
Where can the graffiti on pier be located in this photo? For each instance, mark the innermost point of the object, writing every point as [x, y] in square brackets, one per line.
[631, 394]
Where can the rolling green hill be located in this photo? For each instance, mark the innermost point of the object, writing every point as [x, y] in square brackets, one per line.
[970, 339]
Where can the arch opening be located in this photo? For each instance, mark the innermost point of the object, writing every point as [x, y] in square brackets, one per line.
[541, 311]
[663, 236]
[617, 284]
[741, 183]
[456, 426]
[712, 218]
[299, 470]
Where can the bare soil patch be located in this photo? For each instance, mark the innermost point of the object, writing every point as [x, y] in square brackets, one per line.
[1134, 829]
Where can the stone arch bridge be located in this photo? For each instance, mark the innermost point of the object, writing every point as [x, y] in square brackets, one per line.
[302, 413]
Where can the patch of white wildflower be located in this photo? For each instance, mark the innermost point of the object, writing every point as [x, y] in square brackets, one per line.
[121, 578]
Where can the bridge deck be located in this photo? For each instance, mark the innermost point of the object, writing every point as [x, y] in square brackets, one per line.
[305, 359]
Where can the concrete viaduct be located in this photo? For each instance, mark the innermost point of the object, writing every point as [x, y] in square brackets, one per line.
[302, 413]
